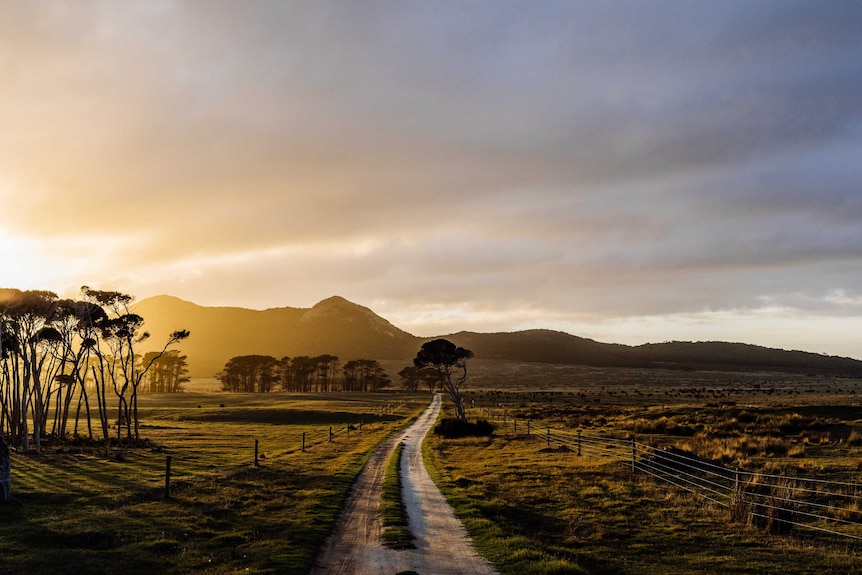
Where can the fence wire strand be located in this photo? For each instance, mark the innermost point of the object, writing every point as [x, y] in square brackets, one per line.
[724, 486]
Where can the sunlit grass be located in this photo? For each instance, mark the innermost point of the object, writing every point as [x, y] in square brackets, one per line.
[533, 510]
[87, 512]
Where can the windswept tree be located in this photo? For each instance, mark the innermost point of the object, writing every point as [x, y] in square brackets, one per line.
[47, 347]
[449, 363]
[122, 330]
[26, 318]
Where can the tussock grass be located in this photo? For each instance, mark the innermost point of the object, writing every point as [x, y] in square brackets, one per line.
[536, 511]
[88, 512]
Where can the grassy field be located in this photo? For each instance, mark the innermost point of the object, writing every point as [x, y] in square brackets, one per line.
[77, 510]
[535, 510]
[532, 510]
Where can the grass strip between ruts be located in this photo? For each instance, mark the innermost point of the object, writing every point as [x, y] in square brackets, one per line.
[393, 513]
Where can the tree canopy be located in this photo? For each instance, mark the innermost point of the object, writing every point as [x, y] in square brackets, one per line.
[449, 363]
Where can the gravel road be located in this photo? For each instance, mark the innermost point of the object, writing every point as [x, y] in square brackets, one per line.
[442, 544]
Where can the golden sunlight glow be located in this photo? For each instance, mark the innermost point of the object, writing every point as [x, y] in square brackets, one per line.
[22, 265]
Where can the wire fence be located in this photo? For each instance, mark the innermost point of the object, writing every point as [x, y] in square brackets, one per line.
[777, 503]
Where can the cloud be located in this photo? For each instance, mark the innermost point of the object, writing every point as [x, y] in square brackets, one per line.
[562, 160]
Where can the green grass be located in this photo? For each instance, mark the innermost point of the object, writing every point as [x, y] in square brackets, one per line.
[88, 512]
[532, 510]
[393, 513]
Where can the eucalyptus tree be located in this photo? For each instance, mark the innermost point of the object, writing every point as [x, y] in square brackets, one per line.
[25, 317]
[8, 347]
[325, 369]
[121, 330]
[300, 373]
[79, 326]
[411, 376]
[249, 373]
[364, 375]
[449, 363]
[168, 373]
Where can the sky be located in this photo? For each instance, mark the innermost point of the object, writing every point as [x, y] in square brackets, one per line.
[626, 171]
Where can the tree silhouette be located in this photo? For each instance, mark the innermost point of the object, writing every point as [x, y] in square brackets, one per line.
[364, 375]
[412, 376]
[449, 363]
[249, 373]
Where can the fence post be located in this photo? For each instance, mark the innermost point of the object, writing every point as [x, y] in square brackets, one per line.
[579, 443]
[168, 477]
[528, 426]
[255, 453]
[516, 426]
[303, 442]
[549, 437]
[330, 434]
[634, 455]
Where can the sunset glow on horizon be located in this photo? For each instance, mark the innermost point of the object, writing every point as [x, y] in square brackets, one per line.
[628, 172]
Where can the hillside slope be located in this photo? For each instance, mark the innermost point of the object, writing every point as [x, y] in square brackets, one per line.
[338, 327]
[333, 326]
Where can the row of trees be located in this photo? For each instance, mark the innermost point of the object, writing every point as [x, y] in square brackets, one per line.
[265, 373]
[439, 363]
[55, 354]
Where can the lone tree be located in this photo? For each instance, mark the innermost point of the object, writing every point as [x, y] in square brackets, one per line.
[449, 363]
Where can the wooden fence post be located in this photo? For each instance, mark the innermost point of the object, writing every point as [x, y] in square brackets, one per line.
[168, 477]
[303, 442]
[579, 443]
[634, 455]
[528, 426]
[256, 463]
[330, 434]
[549, 437]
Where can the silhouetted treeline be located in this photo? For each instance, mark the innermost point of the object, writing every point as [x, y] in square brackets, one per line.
[168, 373]
[61, 359]
[265, 373]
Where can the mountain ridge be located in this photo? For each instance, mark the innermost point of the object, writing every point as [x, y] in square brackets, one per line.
[348, 330]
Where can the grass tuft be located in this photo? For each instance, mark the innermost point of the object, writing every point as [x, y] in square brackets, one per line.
[393, 513]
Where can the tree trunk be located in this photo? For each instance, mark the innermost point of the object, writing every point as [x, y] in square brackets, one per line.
[5, 473]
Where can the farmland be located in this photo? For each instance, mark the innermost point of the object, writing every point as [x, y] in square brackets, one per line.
[537, 509]
[531, 508]
[80, 510]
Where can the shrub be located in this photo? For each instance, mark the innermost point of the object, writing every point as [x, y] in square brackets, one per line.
[452, 428]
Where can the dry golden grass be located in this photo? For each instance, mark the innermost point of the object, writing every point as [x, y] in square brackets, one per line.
[535, 510]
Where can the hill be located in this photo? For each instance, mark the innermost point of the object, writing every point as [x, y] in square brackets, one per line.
[350, 331]
[333, 326]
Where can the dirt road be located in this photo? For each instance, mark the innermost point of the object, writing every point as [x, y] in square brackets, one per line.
[442, 544]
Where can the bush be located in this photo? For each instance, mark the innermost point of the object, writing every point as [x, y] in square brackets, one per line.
[452, 428]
